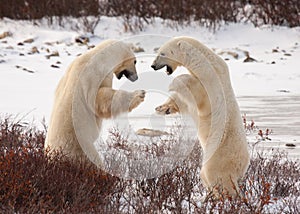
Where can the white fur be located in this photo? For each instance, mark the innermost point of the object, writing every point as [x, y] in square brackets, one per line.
[84, 97]
[210, 99]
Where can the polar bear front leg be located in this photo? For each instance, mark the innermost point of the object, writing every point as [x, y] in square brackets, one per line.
[169, 107]
[137, 97]
[173, 105]
[111, 103]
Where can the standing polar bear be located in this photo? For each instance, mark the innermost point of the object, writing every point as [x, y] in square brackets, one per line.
[84, 97]
[207, 95]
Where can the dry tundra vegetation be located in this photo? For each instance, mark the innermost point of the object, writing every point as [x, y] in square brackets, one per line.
[136, 14]
[32, 182]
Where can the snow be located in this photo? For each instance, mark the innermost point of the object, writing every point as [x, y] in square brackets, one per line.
[28, 82]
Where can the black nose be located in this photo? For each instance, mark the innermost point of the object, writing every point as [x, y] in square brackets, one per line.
[153, 66]
[133, 77]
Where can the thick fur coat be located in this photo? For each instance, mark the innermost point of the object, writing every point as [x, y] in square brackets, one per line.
[207, 95]
[84, 97]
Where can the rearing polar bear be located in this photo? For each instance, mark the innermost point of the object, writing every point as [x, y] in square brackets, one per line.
[207, 95]
[84, 97]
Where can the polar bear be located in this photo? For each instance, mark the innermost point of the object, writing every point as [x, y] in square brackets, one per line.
[207, 95]
[84, 97]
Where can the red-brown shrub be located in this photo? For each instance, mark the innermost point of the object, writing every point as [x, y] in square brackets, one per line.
[32, 182]
[137, 14]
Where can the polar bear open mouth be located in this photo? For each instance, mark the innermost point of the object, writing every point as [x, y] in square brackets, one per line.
[169, 70]
[131, 76]
[120, 75]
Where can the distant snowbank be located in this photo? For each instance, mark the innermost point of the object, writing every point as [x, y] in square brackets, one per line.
[28, 80]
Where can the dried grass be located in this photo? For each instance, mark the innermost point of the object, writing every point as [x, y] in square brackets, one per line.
[31, 182]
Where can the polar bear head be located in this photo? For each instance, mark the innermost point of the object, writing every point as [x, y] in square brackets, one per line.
[127, 68]
[172, 54]
[115, 57]
[192, 54]
[128, 61]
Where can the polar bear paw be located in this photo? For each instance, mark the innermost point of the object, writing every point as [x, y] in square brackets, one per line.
[167, 108]
[138, 97]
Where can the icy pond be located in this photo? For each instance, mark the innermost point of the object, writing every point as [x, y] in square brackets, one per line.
[279, 114]
[28, 80]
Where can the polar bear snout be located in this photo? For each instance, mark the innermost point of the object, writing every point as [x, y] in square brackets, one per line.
[156, 67]
[158, 63]
[132, 76]
[163, 61]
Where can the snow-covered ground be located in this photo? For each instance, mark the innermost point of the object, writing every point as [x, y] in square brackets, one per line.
[30, 70]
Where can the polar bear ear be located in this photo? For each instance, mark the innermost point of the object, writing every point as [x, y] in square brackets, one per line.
[183, 45]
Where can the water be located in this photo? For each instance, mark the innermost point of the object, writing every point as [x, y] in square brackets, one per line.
[281, 114]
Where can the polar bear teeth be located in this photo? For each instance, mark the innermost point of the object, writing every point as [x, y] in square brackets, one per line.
[169, 70]
[131, 76]
[168, 111]
[119, 76]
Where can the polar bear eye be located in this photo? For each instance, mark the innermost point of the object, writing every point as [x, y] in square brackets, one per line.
[162, 54]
